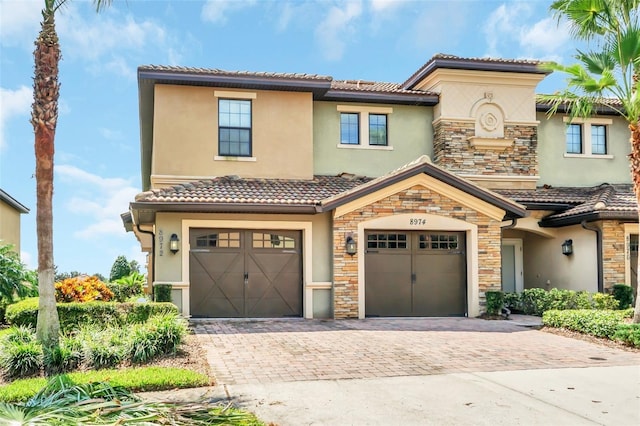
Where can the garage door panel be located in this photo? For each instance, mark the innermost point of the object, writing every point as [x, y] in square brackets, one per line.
[424, 277]
[389, 294]
[235, 273]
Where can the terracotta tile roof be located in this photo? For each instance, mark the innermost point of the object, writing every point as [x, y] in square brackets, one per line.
[600, 201]
[373, 86]
[233, 190]
[216, 71]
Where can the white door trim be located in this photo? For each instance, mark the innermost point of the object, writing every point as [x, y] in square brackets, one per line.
[519, 270]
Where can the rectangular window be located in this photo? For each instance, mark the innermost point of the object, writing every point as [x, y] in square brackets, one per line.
[598, 139]
[574, 139]
[349, 128]
[378, 129]
[234, 127]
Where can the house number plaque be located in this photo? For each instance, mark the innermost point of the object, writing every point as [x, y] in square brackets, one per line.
[416, 221]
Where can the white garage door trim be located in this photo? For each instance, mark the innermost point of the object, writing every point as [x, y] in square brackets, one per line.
[424, 222]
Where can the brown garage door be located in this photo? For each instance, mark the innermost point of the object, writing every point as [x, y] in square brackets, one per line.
[245, 273]
[415, 273]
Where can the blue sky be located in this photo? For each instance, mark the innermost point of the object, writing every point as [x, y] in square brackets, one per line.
[97, 157]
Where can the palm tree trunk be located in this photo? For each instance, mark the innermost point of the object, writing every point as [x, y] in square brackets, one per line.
[634, 158]
[44, 115]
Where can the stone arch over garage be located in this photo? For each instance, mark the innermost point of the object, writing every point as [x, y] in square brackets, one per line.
[446, 208]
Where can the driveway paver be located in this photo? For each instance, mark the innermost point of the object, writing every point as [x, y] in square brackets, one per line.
[273, 351]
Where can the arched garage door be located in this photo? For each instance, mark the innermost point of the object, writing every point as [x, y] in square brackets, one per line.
[245, 273]
[415, 273]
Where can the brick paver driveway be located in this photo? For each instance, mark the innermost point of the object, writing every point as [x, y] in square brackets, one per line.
[268, 351]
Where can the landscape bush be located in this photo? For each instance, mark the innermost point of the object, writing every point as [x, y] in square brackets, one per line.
[536, 301]
[628, 334]
[162, 293]
[623, 294]
[73, 315]
[495, 302]
[127, 287]
[599, 323]
[82, 289]
[91, 346]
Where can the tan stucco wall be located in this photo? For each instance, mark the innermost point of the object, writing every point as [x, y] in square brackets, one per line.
[557, 170]
[169, 266]
[186, 134]
[463, 91]
[546, 267]
[410, 135]
[10, 226]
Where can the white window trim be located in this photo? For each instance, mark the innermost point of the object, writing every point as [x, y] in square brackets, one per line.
[586, 136]
[364, 112]
[228, 94]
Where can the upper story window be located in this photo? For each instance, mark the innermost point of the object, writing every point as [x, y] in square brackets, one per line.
[234, 127]
[574, 139]
[363, 127]
[378, 129]
[587, 137]
[350, 128]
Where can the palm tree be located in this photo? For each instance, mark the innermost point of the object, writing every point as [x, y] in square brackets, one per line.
[607, 77]
[44, 117]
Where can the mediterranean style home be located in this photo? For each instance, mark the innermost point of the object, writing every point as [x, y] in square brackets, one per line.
[277, 194]
[10, 211]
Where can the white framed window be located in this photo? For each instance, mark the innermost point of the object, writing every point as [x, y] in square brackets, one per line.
[588, 138]
[364, 127]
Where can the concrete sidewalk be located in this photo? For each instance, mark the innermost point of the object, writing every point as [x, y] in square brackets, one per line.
[571, 396]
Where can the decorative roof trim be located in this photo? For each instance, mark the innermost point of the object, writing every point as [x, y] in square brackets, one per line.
[473, 64]
[422, 99]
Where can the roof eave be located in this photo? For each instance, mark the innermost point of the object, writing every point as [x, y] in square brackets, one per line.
[380, 97]
[224, 207]
[576, 219]
[8, 199]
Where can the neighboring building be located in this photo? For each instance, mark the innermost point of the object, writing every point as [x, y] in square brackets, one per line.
[271, 194]
[10, 211]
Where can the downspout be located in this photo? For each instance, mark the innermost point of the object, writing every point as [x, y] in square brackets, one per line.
[512, 225]
[153, 255]
[600, 260]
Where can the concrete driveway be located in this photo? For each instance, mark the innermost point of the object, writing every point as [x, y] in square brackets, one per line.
[418, 371]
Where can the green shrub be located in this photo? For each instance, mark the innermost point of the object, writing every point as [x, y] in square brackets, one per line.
[21, 354]
[513, 302]
[66, 357]
[120, 268]
[534, 301]
[16, 281]
[126, 287]
[103, 348]
[495, 302]
[162, 292]
[623, 294]
[74, 315]
[170, 330]
[629, 334]
[604, 301]
[143, 345]
[600, 323]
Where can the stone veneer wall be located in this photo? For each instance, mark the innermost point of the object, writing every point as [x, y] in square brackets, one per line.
[452, 150]
[414, 200]
[613, 256]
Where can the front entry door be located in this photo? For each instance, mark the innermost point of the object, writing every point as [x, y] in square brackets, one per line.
[245, 273]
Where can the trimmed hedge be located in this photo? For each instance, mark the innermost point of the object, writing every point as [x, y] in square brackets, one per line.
[628, 334]
[623, 294]
[73, 315]
[536, 301]
[600, 323]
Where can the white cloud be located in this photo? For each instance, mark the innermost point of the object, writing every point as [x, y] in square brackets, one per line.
[27, 259]
[109, 134]
[19, 22]
[545, 38]
[100, 199]
[385, 5]
[337, 27]
[216, 11]
[502, 25]
[13, 103]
